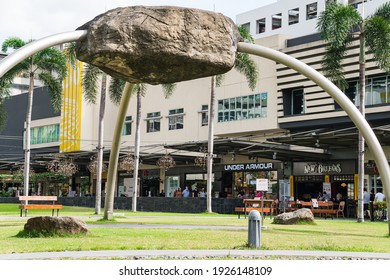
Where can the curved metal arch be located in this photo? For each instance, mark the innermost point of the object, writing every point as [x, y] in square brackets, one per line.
[35, 46]
[339, 96]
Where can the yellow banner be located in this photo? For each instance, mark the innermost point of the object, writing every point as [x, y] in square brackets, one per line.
[70, 125]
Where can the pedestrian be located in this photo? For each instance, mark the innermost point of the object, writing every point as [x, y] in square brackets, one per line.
[186, 192]
[366, 203]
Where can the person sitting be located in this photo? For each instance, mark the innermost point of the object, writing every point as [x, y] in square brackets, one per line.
[325, 197]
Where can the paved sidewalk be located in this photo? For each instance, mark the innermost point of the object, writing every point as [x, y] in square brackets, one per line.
[195, 254]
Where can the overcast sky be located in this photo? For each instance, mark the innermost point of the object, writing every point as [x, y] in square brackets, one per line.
[35, 19]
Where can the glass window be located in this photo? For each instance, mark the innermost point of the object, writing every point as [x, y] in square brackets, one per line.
[297, 104]
[276, 21]
[247, 26]
[264, 104]
[127, 126]
[45, 134]
[260, 26]
[311, 11]
[244, 107]
[205, 115]
[153, 122]
[176, 119]
[293, 102]
[293, 16]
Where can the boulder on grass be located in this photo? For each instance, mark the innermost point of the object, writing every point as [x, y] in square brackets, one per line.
[55, 225]
[296, 217]
[159, 45]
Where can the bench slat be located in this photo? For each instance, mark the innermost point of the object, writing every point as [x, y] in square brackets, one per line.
[38, 198]
[40, 206]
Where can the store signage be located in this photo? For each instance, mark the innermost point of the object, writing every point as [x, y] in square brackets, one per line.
[249, 166]
[324, 168]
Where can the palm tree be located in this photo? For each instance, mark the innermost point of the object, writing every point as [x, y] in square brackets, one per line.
[245, 65]
[49, 66]
[339, 24]
[140, 90]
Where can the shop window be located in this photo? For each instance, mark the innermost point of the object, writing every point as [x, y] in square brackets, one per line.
[176, 119]
[311, 11]
[153, 122]
[127, 126]
[293, 102]
[276, 21]
[260, 25]
[293, 16]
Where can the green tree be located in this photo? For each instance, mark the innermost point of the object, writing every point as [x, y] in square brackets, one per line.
[246, 66]
[339, 25]
[49, 66]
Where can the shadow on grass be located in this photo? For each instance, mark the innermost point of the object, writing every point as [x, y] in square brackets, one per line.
[35, 234]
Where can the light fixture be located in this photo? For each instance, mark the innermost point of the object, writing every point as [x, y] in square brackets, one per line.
[274, 155]
[201, 161]
[68, 167]
[343, 185]
[317, 144]
[127, 163]
[54, 165]
[93, 164]
[166, 162]
[233, 156]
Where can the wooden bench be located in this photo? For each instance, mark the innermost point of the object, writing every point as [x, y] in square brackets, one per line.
[327, 212]
[27, 207]
[246, 210]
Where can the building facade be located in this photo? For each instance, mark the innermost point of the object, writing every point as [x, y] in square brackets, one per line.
[288, 130]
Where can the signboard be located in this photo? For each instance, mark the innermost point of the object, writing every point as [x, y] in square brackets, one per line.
[324, 168]
[326, 187]
[249, 166]
[262, 185]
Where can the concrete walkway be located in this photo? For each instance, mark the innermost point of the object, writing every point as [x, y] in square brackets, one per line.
[193, 254]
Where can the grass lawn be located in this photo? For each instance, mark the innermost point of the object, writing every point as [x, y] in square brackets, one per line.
[332, 235]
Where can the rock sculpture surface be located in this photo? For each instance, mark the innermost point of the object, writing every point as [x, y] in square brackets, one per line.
[159, 45]
[55, 225]
[290, 218]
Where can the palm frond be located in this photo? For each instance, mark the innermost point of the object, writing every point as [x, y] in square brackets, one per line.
[246, 35]
[383, 11]
[115, 90]
[139, 89]
[52, 61]
[219, 80]
[377, 31]
[247, 66]
[336, 24]
[7, 80]
[90, 79]
[70, 54]
[168, 89]
[54, 86]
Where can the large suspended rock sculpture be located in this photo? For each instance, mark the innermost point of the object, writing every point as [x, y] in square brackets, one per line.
[158, 45]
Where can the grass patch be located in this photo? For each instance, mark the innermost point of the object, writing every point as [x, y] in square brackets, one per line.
[328, 235]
